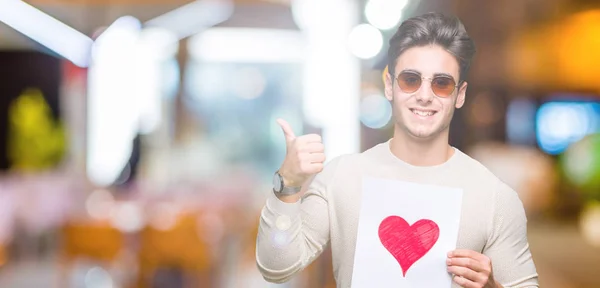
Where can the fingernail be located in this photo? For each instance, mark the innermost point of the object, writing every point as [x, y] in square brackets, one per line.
[448, 261]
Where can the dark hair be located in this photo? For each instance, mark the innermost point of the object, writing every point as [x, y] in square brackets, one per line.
[433, 28]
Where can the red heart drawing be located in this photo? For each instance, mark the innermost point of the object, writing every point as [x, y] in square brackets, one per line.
[408, 243]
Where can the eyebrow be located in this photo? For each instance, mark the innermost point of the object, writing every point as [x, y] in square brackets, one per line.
[434, 75]
[411, 71]
[443, 74]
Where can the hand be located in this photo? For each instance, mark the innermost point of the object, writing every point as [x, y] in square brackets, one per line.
[471, 269]
[304, 157]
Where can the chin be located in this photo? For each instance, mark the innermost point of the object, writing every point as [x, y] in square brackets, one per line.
[422, 135]
[422, 132]
[417, 132]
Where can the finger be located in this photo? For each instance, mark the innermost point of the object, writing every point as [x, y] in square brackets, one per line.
[287, 129]
[467, 263]
[466, 253]
[313, 147]
[466, 273]
[463, 282]
[310, 138]
[314, 168]
[317, 158]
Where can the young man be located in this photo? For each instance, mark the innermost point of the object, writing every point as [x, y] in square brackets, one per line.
[429, 59]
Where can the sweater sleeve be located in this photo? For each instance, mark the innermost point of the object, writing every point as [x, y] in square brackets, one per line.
[507, 246]
[291, 235]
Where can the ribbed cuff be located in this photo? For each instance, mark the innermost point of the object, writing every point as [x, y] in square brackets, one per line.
[283, 208]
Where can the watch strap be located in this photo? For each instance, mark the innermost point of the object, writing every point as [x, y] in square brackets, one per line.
[286, 190]
[290, 190]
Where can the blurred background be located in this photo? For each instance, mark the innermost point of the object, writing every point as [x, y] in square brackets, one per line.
[138, 137]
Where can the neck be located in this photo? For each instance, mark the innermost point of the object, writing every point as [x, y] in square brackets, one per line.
[421, 152]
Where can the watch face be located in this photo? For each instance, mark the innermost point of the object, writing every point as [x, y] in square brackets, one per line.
[277, 183]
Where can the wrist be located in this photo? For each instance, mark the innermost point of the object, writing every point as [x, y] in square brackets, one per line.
[289, 181]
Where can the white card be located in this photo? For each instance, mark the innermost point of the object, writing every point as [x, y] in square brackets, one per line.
[419, 226]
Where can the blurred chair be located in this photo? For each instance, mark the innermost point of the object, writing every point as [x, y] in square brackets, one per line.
[179, 246]
[97, 241]
[3, 255]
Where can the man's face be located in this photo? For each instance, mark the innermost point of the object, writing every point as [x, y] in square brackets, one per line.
[422, 114]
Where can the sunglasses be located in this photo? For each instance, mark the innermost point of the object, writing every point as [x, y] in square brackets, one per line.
[410, 82]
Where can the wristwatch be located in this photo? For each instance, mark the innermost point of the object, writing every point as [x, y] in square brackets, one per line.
[280, 188]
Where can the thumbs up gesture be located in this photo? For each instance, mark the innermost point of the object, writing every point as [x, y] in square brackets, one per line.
[304, 156]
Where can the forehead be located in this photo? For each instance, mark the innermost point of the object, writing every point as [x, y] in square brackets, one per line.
[428, 60]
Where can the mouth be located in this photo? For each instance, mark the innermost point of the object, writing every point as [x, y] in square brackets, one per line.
[423, 112]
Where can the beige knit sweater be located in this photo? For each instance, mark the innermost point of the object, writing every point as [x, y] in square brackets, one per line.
[493, 221]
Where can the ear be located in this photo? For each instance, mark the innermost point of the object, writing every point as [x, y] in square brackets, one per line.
[460, 99]
[389, 84]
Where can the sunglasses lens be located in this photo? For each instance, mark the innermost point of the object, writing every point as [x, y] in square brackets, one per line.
[409, 82]
[442, 86]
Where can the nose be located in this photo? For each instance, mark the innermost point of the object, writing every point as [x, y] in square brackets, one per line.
[425, 94]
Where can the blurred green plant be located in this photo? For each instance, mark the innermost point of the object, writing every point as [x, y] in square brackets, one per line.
[35, 140]
[581, 165]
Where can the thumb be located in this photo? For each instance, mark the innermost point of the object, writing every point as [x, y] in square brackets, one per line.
[287, 130]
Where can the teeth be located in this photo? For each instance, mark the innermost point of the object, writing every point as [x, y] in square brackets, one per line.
[422, 113]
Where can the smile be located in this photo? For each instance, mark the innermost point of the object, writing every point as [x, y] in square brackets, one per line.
[423, 113]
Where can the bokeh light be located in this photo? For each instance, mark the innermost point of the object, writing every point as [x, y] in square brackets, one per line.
[520, 121]
[581, 165]
[249, 83]
[375, 111]
[589, 223]
[384, 14]
[98, 278]
[100, 204]
[561, 123]
[365, 41]
[128, 217]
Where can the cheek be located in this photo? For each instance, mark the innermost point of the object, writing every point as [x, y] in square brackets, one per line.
[448, 110]
[398, 104]
[399, 97]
